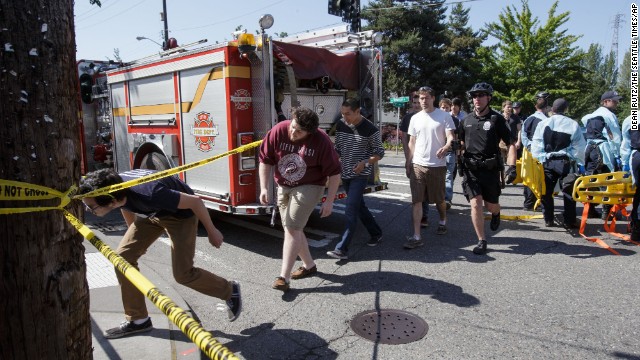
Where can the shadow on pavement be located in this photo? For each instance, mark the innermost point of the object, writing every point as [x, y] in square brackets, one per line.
[390, 281]
[265, 342]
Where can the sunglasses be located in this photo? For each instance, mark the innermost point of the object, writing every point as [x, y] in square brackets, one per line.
[473, 96]
[91, 209]
[425, 88]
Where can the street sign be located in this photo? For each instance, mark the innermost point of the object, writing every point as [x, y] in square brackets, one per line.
[399, 101]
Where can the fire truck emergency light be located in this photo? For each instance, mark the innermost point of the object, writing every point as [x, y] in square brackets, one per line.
[246, 44]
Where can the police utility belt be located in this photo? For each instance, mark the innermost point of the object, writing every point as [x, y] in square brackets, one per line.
[481, 164]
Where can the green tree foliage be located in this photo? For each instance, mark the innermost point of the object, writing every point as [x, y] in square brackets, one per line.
[601, 76]
[414, 36]
[460, 53]
[530, 57]
[623, 87]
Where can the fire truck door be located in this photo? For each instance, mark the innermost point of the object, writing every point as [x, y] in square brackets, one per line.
[205, 129]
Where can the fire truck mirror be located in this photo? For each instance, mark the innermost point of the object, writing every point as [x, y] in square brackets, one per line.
[86, 84]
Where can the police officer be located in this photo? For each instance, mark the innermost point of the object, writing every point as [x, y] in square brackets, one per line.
[528, 129]
[558, 144]
[480, 133]
[630, 157]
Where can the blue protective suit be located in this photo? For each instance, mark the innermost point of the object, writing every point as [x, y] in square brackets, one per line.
[556, 136]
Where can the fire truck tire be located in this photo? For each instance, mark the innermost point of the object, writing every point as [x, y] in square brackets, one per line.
[154, 161]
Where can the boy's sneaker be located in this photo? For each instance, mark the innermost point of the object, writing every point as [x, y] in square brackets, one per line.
[375, 240]
[413, 243]
[127, 328]
[481, 248]
[234, 304]
[280, 284]
[448, 204]
[337, 254]
[442, 229]
[424, 222]
[303, 272]
[495, 222]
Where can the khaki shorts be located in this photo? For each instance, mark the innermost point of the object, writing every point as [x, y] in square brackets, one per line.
[427, 184]
[297, 203]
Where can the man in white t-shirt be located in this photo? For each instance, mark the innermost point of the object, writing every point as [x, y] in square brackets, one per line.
[431, 133]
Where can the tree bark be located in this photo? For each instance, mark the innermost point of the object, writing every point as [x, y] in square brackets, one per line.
[44, 297]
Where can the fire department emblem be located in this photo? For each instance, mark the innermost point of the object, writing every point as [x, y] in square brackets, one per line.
[204, 131]
[241, 99]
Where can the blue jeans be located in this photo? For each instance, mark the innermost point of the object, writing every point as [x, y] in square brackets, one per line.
[355, 209]
[451, 175]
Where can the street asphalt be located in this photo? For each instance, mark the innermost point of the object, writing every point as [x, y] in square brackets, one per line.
[539, 293]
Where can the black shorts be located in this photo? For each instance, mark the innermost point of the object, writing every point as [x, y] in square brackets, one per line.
[482, 182]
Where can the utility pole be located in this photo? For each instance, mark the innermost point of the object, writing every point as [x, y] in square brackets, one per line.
[617, 22]
[166, 25]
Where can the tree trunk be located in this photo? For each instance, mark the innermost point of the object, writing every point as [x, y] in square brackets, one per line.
[44, 299]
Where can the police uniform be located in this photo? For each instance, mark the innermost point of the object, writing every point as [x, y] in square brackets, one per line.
[482, 161]
[630, 157]
[557, 143]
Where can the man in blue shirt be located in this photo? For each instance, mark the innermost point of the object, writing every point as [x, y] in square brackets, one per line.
[150, 209]
[558, 144]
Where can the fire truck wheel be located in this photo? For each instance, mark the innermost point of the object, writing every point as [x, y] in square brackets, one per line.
[154, 161]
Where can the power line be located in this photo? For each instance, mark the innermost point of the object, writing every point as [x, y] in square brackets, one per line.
[230, 19]
[96, 10]
[111, 17]
[617, 22]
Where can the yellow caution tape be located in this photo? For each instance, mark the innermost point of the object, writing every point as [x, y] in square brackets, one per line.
[168, 172]
[16, 190]
[515, 217]
[45, 193]
[190, 327]
[610, 188]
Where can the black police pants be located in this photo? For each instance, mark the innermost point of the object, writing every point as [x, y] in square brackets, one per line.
[529, 198]
[556, 170]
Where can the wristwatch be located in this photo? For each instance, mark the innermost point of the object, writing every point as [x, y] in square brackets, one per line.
[366, 164]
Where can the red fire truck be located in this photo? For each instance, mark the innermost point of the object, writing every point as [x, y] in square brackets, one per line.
[94, 111]
[189, 104]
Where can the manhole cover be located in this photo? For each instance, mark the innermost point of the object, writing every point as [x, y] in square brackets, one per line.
[389, 326]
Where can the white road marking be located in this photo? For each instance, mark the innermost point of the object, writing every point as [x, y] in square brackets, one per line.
[390, 195]
[392, 174]
[397, 182]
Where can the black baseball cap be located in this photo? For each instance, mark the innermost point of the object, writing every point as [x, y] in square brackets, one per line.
[610, 95]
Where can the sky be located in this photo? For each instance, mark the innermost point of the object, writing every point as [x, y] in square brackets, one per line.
[117, 24]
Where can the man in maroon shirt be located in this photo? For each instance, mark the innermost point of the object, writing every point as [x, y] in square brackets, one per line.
[303, 159]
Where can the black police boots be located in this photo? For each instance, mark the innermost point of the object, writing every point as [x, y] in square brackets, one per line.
[481, 248]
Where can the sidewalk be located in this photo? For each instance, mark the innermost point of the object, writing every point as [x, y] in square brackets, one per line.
[165, 341]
